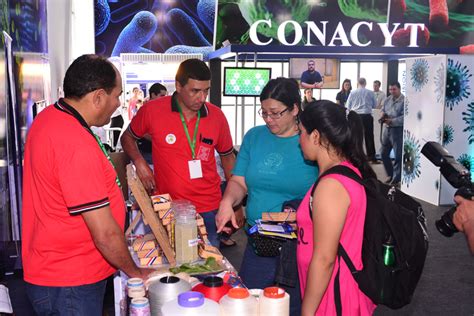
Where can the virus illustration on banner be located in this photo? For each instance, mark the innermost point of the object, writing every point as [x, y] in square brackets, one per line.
[411, 158]
[439, 82]
[468, 118]
[419, 74]
[445, 134]
[465, 160]
[457, 83]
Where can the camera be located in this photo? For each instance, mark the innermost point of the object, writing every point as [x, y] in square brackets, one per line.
[455, 173]
[383, 118]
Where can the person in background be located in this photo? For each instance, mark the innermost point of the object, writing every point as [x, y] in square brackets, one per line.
[341, 97]
[362, 101]
[157, 90]
[392, 115]
[308, 97]
[463, 219]
[185, 130]
[73, 207]
[333, 212]
[311, 78]
[270, 169]
[132, 103]
[379, 95]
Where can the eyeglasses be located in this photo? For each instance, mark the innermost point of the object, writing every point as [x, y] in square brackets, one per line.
[274, 116]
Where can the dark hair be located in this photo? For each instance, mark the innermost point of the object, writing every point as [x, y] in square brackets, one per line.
[192, 69]
[350, 85]
[345, 135]
[395, 83]
[285, 90]
[156, 88]
[378, 82]
[89, 73]
[304, 97]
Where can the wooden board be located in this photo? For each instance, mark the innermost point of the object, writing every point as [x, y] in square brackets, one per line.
[149, 214]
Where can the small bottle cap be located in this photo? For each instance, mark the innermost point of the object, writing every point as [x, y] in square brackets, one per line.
[238, 292]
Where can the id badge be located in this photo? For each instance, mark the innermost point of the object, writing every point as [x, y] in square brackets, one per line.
[195, 170]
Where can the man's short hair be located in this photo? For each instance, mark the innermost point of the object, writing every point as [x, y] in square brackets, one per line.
[378, 82]
[311, 61]
[156, 88]
[362, 81]
[89, 73]
[395, 83]
[192, 69]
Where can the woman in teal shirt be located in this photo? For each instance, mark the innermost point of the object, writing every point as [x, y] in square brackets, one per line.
[270, 168]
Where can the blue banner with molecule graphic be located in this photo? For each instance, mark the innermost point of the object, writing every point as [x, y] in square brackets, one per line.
[147, 26]
[349, 25]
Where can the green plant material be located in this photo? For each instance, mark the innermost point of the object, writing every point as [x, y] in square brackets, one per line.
[276, 11]
[370, 10]
[209, 266]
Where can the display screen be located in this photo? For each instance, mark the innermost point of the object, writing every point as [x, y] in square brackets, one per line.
[245, 81]
[308, 68]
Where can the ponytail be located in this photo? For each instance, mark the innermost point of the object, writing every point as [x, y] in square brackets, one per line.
[344, 133]
[356, 153]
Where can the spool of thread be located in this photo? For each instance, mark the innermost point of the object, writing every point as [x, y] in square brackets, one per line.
[274, 301]
[190, 304]
[164, 290]
[140, 307]
[237, 302]
[135, 288]
[213, 288]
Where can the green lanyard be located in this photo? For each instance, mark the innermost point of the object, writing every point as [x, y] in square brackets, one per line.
[193, 143]
[97, 139]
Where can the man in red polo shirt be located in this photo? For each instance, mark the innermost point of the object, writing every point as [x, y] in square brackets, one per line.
[184, 130]
[73, 208]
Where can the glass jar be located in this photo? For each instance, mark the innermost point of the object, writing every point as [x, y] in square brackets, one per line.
[185, 232]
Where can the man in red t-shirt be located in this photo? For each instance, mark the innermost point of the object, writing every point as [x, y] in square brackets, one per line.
[184, 130]
[73, 208]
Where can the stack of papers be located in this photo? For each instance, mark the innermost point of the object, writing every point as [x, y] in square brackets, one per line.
[283, 230]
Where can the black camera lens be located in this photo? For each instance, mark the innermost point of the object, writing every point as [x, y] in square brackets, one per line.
[445, 224]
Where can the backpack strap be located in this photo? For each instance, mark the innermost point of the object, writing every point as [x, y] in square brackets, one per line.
[339, 169]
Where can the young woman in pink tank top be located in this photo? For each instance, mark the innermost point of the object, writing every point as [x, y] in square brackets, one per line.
[334, 213]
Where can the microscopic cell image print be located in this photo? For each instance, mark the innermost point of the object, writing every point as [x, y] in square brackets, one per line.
[411, 158]
[102, 16]
[468, 118]
[457, 83]
[445, 134]
[419, 74]
[439, 82]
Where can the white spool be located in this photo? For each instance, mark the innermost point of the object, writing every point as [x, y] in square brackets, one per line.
[164, 290]
[238, 302]
[274, 301]
[135, 288]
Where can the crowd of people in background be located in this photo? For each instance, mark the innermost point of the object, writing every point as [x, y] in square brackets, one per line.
[71, 188]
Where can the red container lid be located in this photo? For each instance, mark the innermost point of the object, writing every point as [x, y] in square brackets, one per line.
[213, 288]
[274, 292]
[239, 293]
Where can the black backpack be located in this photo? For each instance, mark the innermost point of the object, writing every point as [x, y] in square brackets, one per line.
[389, 212]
